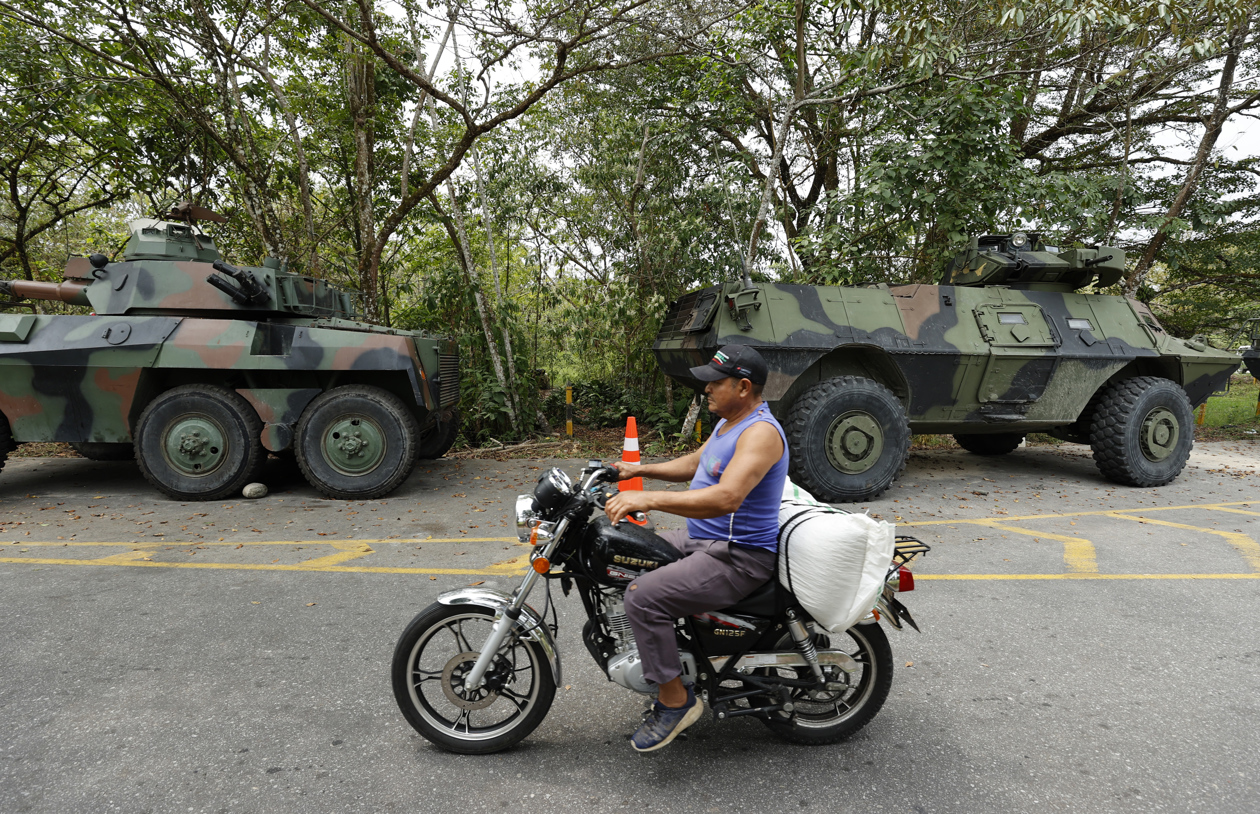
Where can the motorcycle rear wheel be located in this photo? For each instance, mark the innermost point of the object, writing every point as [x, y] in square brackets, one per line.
[822, 718]
[433, 654]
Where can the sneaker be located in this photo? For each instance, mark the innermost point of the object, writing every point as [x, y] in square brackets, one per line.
[662, 724]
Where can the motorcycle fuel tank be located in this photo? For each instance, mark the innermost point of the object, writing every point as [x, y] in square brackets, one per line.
[615, 555]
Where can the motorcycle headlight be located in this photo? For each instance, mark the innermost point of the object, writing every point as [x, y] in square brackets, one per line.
[526, 516]
[553, 489]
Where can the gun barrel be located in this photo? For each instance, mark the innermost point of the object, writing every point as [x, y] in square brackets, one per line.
[73, 293]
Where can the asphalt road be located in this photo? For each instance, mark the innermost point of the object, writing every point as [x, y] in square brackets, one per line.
[1086, 647]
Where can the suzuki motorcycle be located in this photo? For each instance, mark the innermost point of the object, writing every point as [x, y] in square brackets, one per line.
[477, 670]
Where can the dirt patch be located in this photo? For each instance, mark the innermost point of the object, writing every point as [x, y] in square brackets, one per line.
[44, 449]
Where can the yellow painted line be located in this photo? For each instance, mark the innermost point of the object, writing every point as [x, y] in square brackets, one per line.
[125, 558]
[1233, 511]
[513, 568]
[496, 570]
[996, 577]
[1092, 513]
[1247, 547]
[234, 543]
[1078, 553]
[349, 551]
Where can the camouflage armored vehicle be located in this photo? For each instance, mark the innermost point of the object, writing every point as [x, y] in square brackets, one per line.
[1004, 346]
[199, 368]
[1251, 353]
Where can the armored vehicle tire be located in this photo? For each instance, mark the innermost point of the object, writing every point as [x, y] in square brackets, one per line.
[1141, 431]
[199, 442]
[356, 442]
[94, 451]
[849, 438]
[6, 440]
[435, 441]
[998, 444]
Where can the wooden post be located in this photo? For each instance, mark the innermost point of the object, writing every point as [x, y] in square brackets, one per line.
[568, 410]
[1202, 414]
[699, 427]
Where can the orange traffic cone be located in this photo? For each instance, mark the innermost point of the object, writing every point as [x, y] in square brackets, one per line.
[630, 455]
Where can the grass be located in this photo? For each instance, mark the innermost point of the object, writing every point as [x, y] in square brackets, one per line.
[1233, 414]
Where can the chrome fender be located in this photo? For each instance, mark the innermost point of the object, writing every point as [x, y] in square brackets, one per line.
[530, 624]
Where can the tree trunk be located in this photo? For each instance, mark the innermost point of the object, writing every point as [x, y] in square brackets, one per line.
[483, 307]
[513, 379]
[361, 96]
[1212, 131]
[693, 413]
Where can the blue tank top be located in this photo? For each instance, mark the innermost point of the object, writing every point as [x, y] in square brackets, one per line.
[756, 522]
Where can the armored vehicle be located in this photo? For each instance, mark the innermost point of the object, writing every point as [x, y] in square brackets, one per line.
[1251, 352]
[1004, 346]
[199, 368]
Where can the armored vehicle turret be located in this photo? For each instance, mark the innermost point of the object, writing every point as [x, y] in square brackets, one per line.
[198, 368]
[1007, 344]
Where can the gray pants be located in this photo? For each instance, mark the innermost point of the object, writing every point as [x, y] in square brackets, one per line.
[711, 575]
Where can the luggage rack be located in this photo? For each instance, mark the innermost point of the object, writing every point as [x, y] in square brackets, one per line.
[907, 548]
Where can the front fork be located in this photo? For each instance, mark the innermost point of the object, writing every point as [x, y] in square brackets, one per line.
[507, 618]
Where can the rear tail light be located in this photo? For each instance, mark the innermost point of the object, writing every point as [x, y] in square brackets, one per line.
[905, 579]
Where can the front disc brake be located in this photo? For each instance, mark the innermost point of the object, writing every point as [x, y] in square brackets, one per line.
[453, 684]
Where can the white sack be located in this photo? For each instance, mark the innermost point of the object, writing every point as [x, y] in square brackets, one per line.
[833, 561]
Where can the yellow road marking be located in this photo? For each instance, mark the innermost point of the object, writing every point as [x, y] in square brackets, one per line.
[1233, 511]
[1092, 513]
[1246, 546]
[489, 571]
[512, 568]
[958, 577]
[1078, 553]
[349, 550]
[125, 558]
[237, 543]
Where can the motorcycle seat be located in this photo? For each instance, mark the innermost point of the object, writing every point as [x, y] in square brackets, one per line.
[764, 601]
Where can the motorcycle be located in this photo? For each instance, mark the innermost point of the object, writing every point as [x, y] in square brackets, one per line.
[476, 671]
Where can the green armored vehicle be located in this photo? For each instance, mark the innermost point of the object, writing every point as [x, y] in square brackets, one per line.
[1251, 353]
[200, 368]
[1004, 346]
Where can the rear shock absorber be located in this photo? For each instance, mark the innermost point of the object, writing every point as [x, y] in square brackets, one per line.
[805, 644]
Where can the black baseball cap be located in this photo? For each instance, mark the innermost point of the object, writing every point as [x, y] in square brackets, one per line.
[738, 361]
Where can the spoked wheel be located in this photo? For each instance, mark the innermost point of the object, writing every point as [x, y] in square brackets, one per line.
[851, 700]
[433, 656]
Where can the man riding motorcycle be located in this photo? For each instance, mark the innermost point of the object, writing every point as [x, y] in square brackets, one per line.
[731, 541]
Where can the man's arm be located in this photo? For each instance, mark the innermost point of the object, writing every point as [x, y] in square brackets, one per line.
[675, 471]
[759, 448]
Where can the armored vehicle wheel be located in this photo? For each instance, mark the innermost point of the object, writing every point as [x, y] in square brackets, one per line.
[198, 442]
[998, 444]
[356, 442]
[849, 438]
[6, 440]
[435, 441]
[1141, 431]
[94, 451]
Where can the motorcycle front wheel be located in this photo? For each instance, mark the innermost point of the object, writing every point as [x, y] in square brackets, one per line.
[822, 717]
[432, 657]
